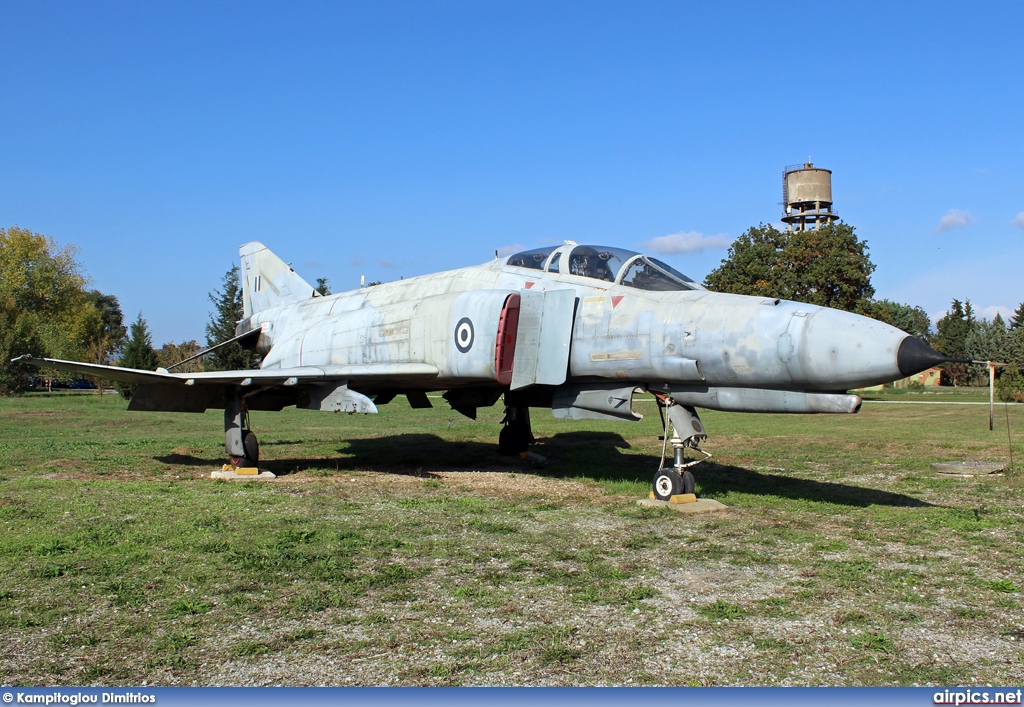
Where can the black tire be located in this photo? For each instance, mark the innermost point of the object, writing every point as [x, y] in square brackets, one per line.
[513, 439]
[667, 483]
[689, 484]
[251, 446]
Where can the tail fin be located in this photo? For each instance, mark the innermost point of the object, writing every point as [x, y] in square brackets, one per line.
[267, 281]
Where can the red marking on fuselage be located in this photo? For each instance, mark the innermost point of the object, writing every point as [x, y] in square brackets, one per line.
[616, 299]
[529, 284]
[505, 345]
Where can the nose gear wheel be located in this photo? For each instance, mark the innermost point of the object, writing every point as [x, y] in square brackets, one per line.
[688, 433]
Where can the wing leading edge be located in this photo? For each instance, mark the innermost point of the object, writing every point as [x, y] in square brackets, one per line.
[272, 389]
[271, 376]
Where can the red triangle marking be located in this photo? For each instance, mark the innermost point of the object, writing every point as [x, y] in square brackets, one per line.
[529, 284]
[616, 299]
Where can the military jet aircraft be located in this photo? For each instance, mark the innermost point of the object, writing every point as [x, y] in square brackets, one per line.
[574, 328]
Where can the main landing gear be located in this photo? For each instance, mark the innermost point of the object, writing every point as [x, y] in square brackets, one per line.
[687, 433]
[240, 442]
[516, 436]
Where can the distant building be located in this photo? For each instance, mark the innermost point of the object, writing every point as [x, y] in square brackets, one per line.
[927, 379]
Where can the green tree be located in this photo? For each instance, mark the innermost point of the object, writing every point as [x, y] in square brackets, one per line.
[171, 353]
[913, 320]
[1011, 385]
[1013, 348]
[323, 286]
[951, 331]
[44, 309]
[951, 338]
[227, 313]
[828, 266]
[18, 336]
[1017, 318]
[752, 267]
[138, 353]
[985, 341]
[107, 338]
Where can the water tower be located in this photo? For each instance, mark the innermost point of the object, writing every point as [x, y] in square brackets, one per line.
[807, 197]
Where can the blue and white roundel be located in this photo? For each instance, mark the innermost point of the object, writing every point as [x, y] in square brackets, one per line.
[464, 335]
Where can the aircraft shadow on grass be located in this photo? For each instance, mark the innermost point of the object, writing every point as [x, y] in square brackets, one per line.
[584, 454]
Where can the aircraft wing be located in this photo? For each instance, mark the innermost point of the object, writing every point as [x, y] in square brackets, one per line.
[114, 373]
[270, 376]
[315, 387]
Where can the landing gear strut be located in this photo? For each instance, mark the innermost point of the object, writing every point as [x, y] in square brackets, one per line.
[516, 435]
[240, 442]
[687, 433]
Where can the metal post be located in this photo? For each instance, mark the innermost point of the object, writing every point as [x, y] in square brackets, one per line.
[991, 393]
[680, 451]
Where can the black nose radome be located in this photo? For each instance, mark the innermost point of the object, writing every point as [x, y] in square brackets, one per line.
[915, 356]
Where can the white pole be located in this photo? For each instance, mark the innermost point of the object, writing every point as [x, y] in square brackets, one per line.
[991, 392]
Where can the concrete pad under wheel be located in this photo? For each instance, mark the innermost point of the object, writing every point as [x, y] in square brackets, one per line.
[232, 475]
[969, 468]
[701, 505]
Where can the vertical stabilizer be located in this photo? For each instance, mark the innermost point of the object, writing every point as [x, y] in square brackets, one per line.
[267, 281]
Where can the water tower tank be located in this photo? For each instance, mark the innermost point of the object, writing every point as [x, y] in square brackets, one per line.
[807, 197]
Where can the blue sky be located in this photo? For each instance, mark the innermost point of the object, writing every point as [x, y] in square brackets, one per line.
[391, 139]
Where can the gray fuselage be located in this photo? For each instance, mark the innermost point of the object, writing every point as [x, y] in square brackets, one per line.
[618, 333]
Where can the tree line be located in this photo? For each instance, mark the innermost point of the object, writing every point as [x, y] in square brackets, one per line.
[830, 267]
[960, 334]
[48, 309]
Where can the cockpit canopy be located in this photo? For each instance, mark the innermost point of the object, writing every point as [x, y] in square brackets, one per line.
[623, 267]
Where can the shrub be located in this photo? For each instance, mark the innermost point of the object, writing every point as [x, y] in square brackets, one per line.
[1011, 385]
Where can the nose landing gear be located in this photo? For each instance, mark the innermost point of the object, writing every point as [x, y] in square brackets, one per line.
[687, 433]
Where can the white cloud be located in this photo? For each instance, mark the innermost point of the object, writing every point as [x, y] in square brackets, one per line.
[385, 263]
[686, 242]
[954, 218]
[510, 249]
[1019, 220]
[936, 316]
[991, 311]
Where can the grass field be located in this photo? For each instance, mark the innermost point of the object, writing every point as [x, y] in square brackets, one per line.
[400, 549]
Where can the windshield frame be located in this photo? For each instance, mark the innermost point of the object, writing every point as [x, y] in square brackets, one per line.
[590, 257]
[683, 282]
[555, 259]
[561, 258]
